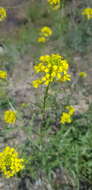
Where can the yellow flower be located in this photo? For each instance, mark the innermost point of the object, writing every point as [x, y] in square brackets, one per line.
[46, 31]
[65, 77]
[87, 12]
[54, 66]
[47, 82]
[2, 13]
[10, 116]
[36, 83]
[59, 76]
[3, 74]
[71, 109]
[65, 118]
[53, 74]
[82, 74]
[44, 58]
[41, 39]
[10, 163]
[46, 70]
[55, 4]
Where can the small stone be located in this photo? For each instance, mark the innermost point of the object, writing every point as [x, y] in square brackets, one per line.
[1, 185]
[2, 49]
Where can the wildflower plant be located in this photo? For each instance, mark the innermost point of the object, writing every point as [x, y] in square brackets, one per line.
[10, 163]
[10, 116]
[87, 12]
[3, 74]
[55, 4]
[48, 148]
[2, 13]
[70, 109]
[41, 39]
[82, 74]
[53, 68]
[45, 33]
[67, 116]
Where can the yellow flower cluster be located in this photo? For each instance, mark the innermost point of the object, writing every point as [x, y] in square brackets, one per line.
[2, 13]
[45, 32]
[54, 67]
[41, 39]
[66, 117]
[3, 74]
[10, 164]
[82, 74]
[87, 12]
[55, 4]
[70, 109]
[10, 116]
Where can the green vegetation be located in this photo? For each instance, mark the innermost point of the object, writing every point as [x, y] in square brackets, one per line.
[59, 152]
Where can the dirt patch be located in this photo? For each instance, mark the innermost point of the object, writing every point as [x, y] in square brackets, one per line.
[16, 15]
[9, 3]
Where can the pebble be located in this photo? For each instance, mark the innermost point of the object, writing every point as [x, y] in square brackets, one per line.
[1, 185]
[2, 50]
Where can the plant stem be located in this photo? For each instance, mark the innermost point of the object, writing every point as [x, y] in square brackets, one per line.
[44, 101]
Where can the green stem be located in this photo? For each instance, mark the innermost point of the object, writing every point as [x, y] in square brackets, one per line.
[44, 101]
[43, 116]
